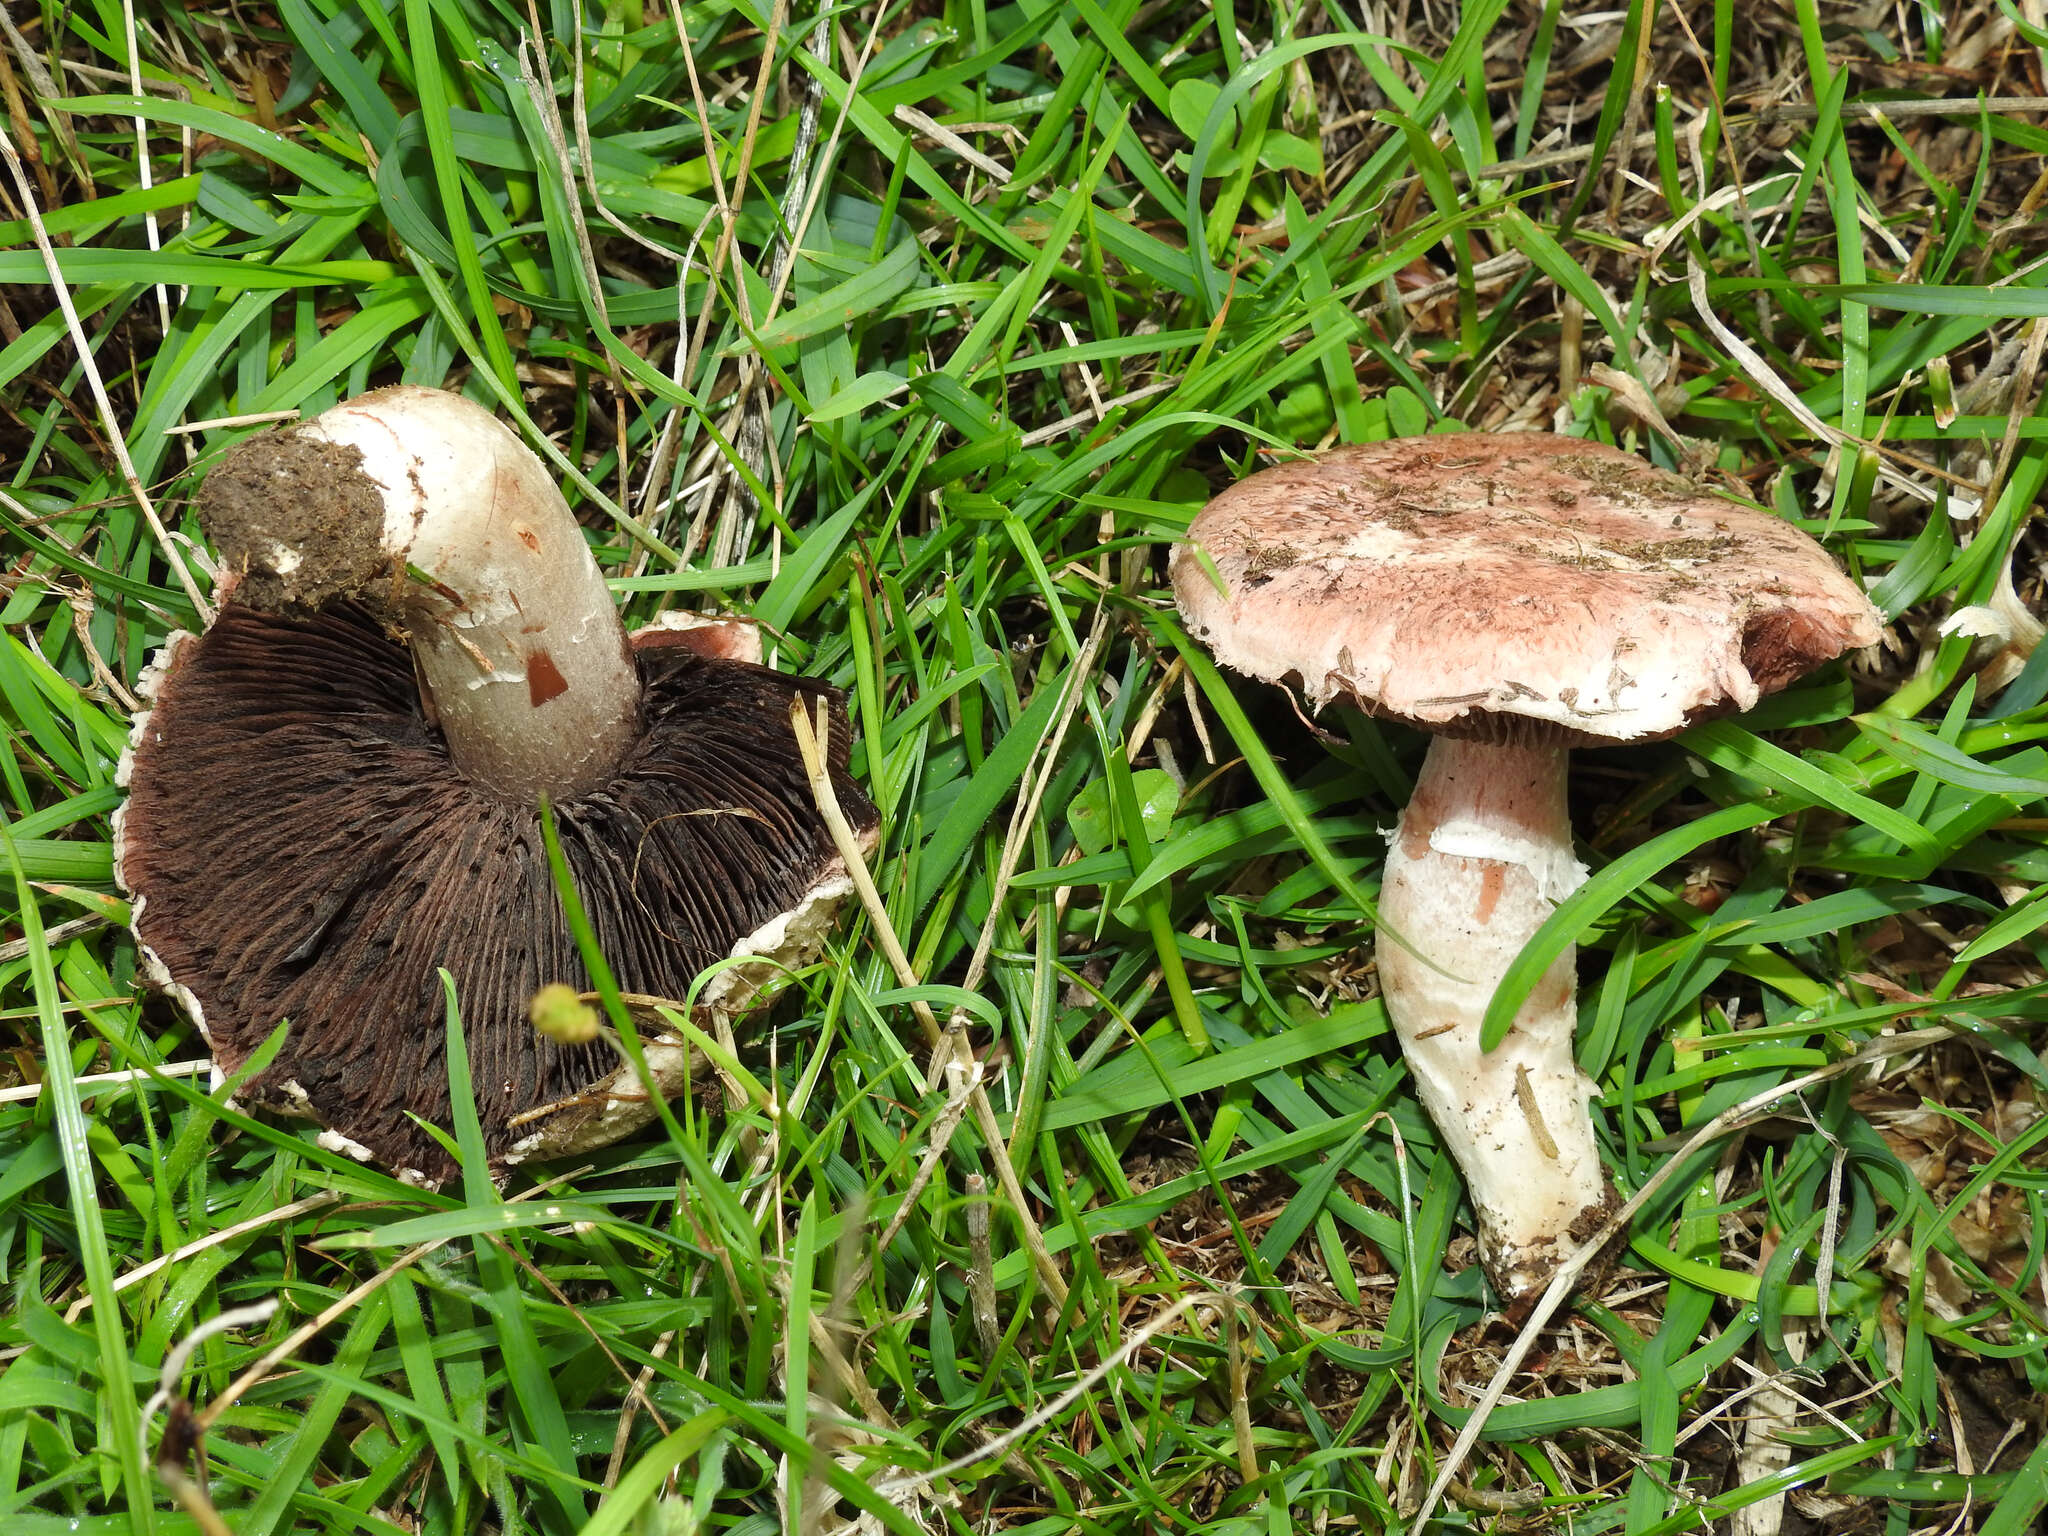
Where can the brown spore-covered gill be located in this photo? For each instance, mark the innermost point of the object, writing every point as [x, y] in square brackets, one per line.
[305, 850]
[1781, 644]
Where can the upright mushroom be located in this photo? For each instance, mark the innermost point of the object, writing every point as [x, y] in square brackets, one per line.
[336, 792]
[1516, 595]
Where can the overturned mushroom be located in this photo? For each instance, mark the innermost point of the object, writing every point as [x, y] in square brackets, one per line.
[336, 791]
[1516, 595]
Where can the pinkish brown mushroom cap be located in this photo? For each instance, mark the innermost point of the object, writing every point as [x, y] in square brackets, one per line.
[1455, 580]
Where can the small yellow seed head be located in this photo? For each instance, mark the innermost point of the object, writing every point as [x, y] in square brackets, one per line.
[559, 1012]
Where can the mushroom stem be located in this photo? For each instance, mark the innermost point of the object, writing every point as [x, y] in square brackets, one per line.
[428, 510]
[1481, 856]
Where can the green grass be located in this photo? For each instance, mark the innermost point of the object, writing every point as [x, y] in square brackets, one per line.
[993, 400]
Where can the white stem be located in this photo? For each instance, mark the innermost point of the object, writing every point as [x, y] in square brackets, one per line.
[1482, 855]
[479, 558]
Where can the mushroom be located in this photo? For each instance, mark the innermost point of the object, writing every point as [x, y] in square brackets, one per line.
[336, 792]
[1515, 595]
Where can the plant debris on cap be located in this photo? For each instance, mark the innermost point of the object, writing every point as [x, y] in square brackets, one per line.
[300, 848]
[1463, 581]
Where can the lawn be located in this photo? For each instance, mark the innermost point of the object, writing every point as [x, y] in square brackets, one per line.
[918, 332]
